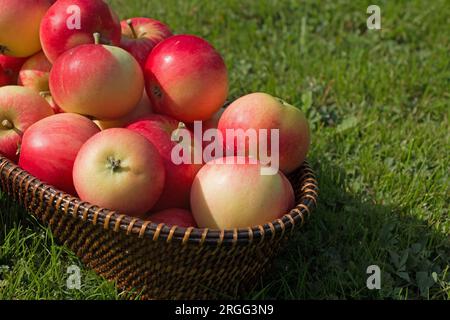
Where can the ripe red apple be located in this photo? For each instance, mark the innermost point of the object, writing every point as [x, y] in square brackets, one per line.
[9, 69]
[186, 78]
[34, 73]
[19, 25]
[120, 170]
[141, 35]
[100, 81]
[70, 23]
[173, 217]
[50, 146]
[158, 129]
[227, 196]
[19, 108]
[141, 111]
[262, 111]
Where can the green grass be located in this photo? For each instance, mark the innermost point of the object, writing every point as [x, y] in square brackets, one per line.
[378, 103]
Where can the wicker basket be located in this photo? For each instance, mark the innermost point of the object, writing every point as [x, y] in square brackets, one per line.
[157, 261]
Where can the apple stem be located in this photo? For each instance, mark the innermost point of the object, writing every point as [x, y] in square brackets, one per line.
[176, 133]
[97, 38]
[45, 94]
[8, 125]
[19, 147]
[133, 31]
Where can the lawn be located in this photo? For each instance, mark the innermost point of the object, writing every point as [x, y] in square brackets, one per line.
[378, 104]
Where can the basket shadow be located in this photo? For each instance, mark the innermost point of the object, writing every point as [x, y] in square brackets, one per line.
[346, 234]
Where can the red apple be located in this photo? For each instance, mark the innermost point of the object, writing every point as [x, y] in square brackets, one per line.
[9, 69]
[19, 108]
[141, 111]
[34, 73]
[186, 78]
[173, 217]
[141, 35]
[158, 129]
[226, 196]
[70, 23]
[120, 170]
[262, 111]
[19, 25]
[100, 81]
[50, 146]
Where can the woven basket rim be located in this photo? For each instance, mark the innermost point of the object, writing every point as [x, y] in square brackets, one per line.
[24, 183]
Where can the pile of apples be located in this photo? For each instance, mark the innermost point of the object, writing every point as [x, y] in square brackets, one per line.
[91, 105]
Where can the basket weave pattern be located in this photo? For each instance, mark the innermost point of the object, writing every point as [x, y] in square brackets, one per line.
[153, 260]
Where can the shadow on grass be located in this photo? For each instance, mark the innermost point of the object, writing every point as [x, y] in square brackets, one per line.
[347, 233]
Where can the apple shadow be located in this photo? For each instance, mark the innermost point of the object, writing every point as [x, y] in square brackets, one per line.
[347, 233]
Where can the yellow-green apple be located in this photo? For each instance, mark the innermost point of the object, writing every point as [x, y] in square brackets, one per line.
[186, 78]
[142, 110]
[70, 23]
[50, 146]
[141, 35]
[19, 25]
[232, 193]
[120, 170]
[262, 111]
[34, 73]
[173, 217]
[100, 81]
[159, 130]
[9, 69]
[19, 108]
